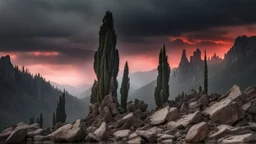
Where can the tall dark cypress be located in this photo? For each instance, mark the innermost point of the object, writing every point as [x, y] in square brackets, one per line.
[106, 61]
[41, 120]
[205, 74]
[162, 89]
[53, 119]
[159, 81]
[60, 114]
[125, 87]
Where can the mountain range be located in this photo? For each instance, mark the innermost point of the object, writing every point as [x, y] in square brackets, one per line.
[238, 67]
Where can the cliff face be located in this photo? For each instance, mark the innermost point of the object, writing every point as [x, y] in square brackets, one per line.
[244, 47]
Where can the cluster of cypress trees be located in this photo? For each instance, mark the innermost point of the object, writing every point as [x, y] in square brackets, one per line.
[162, 88]
[60, 114]
[205, 74]
[106, 61]
[125, 87]
[39, 120]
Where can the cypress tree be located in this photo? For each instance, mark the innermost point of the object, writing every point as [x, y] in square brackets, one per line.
[205, 74]
[60, 109]
[125, 86]
[159, 81]
[162, 89]
[200, 88]
[106, 61]
[53, 119]
[41, 120]
[37, 120]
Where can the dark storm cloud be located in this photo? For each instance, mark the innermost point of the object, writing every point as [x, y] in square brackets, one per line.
[57, 25]
[173, 17]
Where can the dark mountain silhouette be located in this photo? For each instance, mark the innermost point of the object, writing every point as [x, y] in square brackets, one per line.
[23, 95]
[238, 67]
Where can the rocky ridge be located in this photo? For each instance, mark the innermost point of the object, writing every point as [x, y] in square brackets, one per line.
[192, 118]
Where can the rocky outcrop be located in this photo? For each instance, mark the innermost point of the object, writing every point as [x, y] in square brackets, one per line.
[194, 118]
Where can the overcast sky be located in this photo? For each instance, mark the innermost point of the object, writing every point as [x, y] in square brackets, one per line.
[57, 38]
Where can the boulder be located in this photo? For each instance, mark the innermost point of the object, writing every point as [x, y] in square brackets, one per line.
[173, 114]
[107, 116]
[204, 100]
[193, 118]
[129, 120]
[9, 129]
[147, 135]
[221, 131]
[36, 132]
[250, 93]
[197, 133]
[131, 107]
[194, 106]
[90, 129]
[133, 135]
[108, 99]
[245, 138]
[167, 141]
[226, 111]
[155, 130]
[250, 107]
[136, 140]
[113, 109]
[5, 135]
[234, 94]
[91, 138]
[159, 116]
[38, 138]
[122, 133]
[184, 108]
[164, 137]
[140, 105]
[102, 133]
[67, 133]
[17, 136]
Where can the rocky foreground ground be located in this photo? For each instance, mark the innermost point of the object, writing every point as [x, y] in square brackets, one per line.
[193, 118]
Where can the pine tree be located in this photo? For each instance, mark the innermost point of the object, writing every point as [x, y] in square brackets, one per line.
[53, 119]
[205, 74]
[41, 120]
[125, 87]
[106, 61]
[162, 89]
